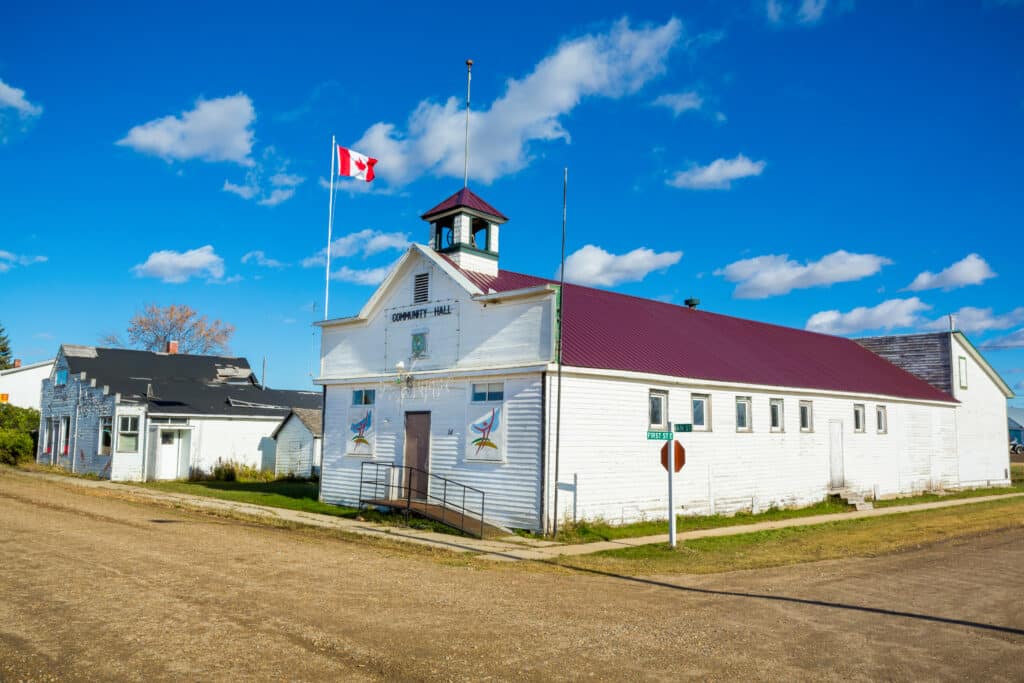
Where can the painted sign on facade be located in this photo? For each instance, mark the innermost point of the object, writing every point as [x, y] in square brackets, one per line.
[486, 435]
[361, 428]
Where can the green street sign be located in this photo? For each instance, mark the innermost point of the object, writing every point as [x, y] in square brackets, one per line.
[659, 436]
[684, 427]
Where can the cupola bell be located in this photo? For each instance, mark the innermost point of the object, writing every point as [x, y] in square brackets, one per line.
[465, 229]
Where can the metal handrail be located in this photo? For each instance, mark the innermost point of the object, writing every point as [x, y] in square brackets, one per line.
[379, 485]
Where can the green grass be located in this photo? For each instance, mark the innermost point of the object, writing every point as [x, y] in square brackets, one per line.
[290, 495]
[863, 537]
[1017, 487]
[1017, 473]
[589, 532]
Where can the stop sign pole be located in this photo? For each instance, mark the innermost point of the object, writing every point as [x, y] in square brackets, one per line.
[673, 457]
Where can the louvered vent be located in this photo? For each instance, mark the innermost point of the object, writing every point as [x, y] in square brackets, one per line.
[421, 289]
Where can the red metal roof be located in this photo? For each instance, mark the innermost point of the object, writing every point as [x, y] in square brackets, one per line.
[469, 199]
[615, 331]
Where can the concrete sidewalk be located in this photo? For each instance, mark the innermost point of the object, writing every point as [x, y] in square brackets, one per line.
[507, 548]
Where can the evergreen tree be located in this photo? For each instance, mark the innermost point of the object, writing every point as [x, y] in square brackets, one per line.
[5, 350]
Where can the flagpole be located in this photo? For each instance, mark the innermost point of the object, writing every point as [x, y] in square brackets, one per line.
[561, 293]
[330, 224]
[465, 166]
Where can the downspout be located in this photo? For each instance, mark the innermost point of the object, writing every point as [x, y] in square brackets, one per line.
[543, 450]
[323, 442]
[74, 433]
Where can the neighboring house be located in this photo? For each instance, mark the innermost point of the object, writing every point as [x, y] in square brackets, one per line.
[451, 368]
[949, 362]
[299, 440]
[138, 415]
[22, 385]
[1015, 421]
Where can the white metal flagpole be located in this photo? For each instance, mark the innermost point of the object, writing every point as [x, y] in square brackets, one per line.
[465, 162]
[330, 225]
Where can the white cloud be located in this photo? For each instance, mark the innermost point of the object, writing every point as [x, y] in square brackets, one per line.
[592, 265]
[974, 320]
[680, 102]
[276, 196]
[805, 12]
[887, 315]
[286, 180]
[362, 276]
[9, 260]
[259, 257]
[216, 130]
[773, 274]
[773, 10]
[718, 175]
[366, 242]
[612, 64]
[970, 270]
[1014, 340]
[811, 11]
[244, 191]
[281, 184]
[14, 98]
[177, 267]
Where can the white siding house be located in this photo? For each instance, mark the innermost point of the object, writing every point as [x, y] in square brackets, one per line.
[22, 385]
[299, 440]
[451, 368]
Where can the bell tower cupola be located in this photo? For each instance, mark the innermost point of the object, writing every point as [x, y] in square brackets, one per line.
[465, 229]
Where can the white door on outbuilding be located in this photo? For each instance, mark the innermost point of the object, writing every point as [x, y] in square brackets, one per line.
[835, 449]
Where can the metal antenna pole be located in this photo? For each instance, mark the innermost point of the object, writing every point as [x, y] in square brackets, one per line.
[558, 409]
[465, 165]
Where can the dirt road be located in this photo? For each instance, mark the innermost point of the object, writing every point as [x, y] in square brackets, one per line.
[102, 589]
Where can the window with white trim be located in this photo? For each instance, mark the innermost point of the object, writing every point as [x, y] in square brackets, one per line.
[881, 420]
[65, 434]
[776, 409]
[364, 397]
[128, 434]
[806, 416]
[657, 409]
[700, 416]
[743, 416]
[106, 434]
[61, 378]
[489, 392]
[858, 417]
[51, 429]
[962, 369]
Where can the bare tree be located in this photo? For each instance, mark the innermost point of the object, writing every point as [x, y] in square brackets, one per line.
[151, 329]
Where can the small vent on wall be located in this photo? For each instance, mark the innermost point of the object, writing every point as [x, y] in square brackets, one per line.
[421, 289]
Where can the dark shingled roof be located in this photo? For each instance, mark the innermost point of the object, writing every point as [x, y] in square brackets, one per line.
[615, 331]
[469, 199]
[311, 418]
[185, 384]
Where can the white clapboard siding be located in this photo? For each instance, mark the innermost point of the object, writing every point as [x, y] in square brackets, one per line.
[295, 449]
[981, 423]
[246, 441]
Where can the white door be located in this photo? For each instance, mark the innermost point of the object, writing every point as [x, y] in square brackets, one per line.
[835, 450]
[167, 455]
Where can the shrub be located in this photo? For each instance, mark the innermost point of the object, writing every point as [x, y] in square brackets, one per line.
[19, 419]
[225, 470]
[15, 446]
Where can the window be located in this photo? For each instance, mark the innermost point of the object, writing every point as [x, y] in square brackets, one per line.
[481, 234]
[701, 416]
[363, 397]
[421, 288]
[128, 434]
[61, 378]
[51, 427]
[657, 409]
[775, 407]
[492, 391]
[743, 414]
[962, 367]
[806, 416]
[419, 344]
[881, 420]
[858, 417]
[65, 432]
[106, 434]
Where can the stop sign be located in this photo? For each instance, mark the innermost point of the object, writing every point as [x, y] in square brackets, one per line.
[679, 456]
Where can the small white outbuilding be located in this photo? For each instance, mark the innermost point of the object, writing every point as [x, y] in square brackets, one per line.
[22, 385]
[299, 438]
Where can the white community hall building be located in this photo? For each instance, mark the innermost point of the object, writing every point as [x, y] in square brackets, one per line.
[138, 415]
[19, 386]
[446, 385]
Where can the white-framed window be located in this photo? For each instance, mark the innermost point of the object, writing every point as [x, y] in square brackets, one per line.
[421, 288]
[106, 434]
[489, 392]
[364, 397]
[743, 416]
[65, 434]
[881, 420]
[806, 416]
[657, 409]
[776, 409]
[700, 416]
[419, 344]
[858, 417]
[962, 370]
[128, 434]
[61, 378]
[50, 425]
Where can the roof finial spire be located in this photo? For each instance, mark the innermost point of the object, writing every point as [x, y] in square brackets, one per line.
[465, 165]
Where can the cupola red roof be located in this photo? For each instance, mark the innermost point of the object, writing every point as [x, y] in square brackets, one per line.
[468, 199]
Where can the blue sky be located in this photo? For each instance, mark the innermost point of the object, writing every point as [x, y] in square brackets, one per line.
[851, 167]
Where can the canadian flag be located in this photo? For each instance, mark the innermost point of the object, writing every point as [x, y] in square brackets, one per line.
[355, 165]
